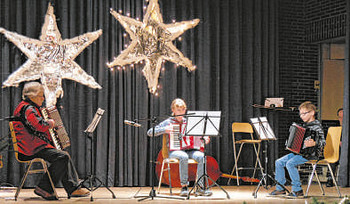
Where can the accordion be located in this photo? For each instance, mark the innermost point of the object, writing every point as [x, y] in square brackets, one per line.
[58, 134]
[297, 136]
[177, 141]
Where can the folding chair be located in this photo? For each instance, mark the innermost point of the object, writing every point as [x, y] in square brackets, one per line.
[247, 129]
[331, 155]
[30, 163]
[167, 161]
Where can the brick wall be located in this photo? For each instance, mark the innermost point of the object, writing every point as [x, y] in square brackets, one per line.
[302, 25]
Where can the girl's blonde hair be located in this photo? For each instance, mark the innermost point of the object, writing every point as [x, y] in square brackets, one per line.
[178, 103]
[31, 89]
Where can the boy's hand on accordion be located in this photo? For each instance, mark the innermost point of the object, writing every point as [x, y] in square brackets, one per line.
[309, 143]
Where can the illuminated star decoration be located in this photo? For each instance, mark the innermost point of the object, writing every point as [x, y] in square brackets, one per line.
[152, 43]
[51, 59]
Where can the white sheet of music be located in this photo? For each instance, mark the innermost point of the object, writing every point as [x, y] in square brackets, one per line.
[263, 128]
[196, 121]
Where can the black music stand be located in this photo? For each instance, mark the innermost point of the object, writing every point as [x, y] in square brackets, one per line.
[264, 132]
[93, 180]
[203, 123]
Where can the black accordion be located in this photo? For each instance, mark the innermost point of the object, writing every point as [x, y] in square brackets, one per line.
[297, 136]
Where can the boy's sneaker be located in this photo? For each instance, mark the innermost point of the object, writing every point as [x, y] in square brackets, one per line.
[277, 192]
[184, 191]
[295, 194]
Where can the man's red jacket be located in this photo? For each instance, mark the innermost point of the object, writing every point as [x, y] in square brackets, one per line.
[28, 140]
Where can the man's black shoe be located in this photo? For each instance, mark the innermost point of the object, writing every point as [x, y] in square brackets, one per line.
[44, 194]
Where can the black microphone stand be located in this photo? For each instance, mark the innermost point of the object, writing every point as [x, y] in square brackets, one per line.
[152, 193]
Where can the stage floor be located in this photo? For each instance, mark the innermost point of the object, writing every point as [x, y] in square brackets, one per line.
[237, 194]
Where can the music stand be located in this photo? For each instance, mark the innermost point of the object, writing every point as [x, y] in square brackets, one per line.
[264, 132]
[203, 123]
[92, 177]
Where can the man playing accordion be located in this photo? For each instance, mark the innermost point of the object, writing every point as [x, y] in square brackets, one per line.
[307, 113]
[32, 133]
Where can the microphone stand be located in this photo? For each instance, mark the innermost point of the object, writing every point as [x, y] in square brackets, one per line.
[152, 193]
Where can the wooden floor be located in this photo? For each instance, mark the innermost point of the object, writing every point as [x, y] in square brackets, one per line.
[238, 194]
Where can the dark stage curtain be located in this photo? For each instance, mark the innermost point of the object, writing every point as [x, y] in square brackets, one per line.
[344, 171]
[234, 47]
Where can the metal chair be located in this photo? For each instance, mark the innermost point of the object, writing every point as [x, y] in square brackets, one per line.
[30, 163]
[331, 155]
[167, 161]
[247, 129]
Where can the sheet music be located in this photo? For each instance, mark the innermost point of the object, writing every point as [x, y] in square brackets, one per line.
[196, 122]
[263, 128]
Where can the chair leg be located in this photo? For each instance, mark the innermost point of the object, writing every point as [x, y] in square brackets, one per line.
[310, 179]
[337, 173]
[236, 164]
[259, 162]
[235, 168]
[170, 186]
[257, 159]
[319, 183]
[334, 180]
[160, 177]
[23, 180]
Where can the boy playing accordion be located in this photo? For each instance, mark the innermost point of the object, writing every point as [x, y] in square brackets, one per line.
[307, 113]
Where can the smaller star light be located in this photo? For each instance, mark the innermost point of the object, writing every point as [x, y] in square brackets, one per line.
[152, 43]
[51, 59]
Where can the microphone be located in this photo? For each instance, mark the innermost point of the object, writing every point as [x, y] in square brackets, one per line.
[132, 123]
[11, 118]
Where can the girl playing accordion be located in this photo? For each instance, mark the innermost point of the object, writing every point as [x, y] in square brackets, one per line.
[182, 151]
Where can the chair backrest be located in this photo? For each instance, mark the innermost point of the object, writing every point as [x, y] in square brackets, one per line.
[14, 142]
[331, 150]
[165, 148]
[242, 128]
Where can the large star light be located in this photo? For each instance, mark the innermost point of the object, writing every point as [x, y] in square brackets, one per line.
[51, 59]
[152, 43]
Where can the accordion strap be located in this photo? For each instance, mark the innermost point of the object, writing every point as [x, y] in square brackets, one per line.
[29, 127]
